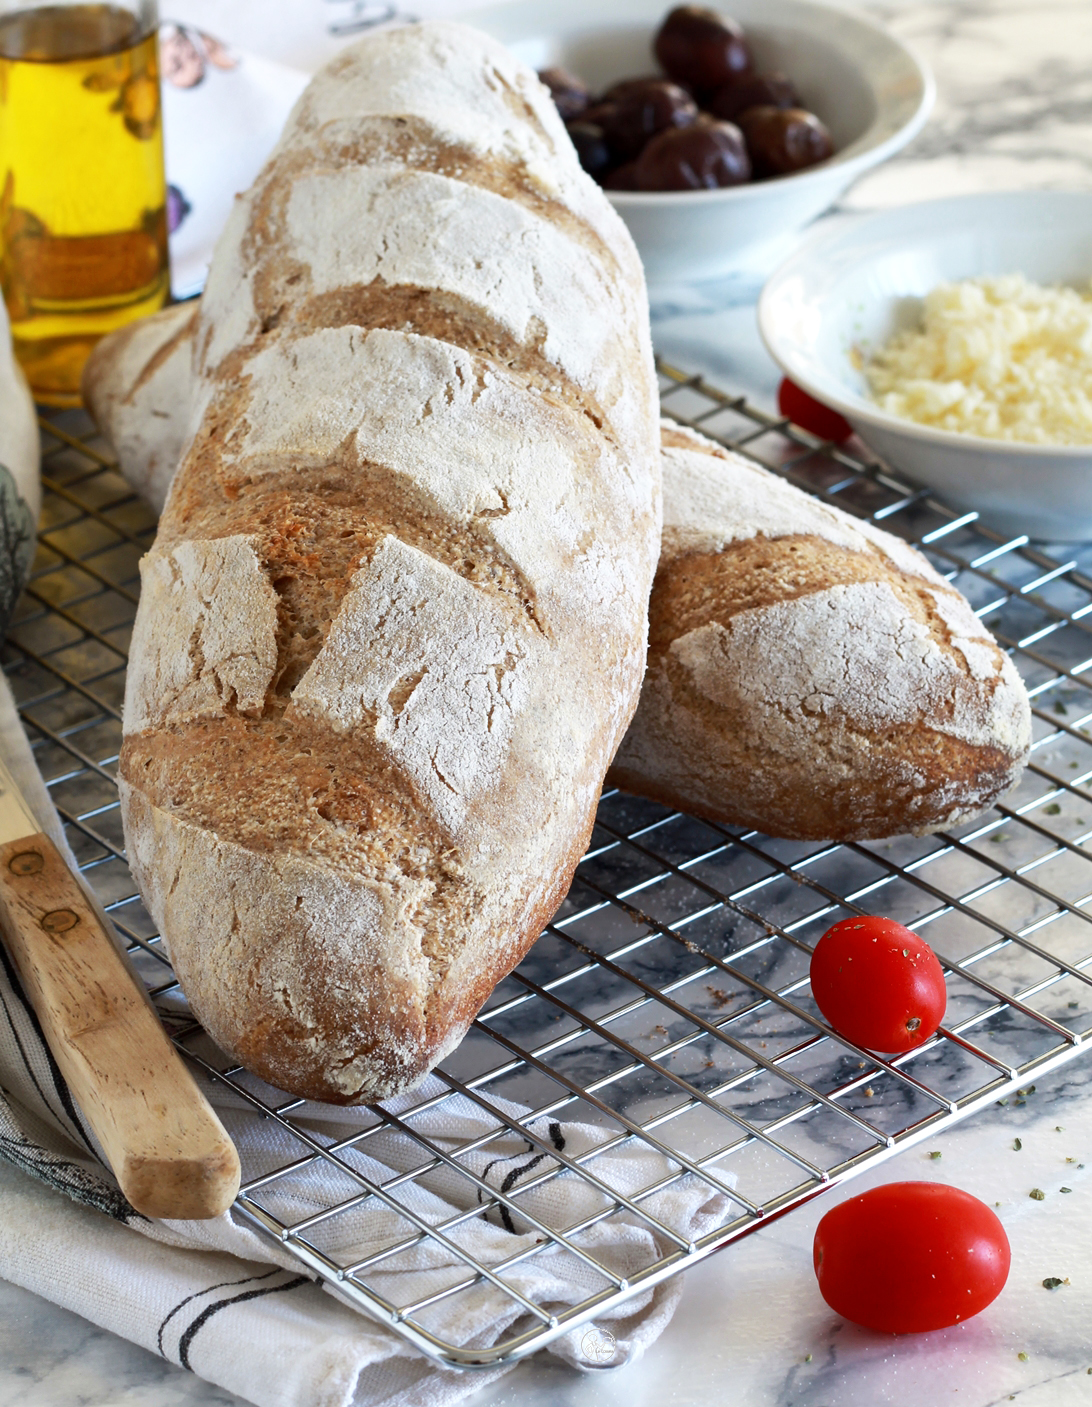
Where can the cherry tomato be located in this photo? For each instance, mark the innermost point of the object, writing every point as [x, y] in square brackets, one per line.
[878, 984]
[910, 1256]
[810, 414]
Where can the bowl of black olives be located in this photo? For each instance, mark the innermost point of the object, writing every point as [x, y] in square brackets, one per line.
[718, 132]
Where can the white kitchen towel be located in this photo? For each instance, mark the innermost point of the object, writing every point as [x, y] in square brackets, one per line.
[303, 33]
[228, 1302]
[223, 110]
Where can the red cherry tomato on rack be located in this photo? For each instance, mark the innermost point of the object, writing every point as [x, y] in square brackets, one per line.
[878, 984]
[910, 1256]
[810, 414]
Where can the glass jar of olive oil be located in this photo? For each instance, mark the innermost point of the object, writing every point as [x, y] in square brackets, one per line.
[83, 220]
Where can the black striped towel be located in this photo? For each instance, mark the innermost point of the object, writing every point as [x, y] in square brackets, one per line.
[223, 1300]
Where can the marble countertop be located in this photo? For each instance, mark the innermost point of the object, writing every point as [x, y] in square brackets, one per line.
[1014, 110]
[751, 1330]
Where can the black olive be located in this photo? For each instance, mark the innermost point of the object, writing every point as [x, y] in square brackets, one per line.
[702, 48]
[703, 156]
[756, 90]
[783, 140]
[643, 109]
[591, 147]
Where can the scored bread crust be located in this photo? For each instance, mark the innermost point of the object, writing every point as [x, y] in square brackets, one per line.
[810, 675]
[392, 628]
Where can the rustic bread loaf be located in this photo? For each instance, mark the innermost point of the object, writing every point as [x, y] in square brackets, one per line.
[392, 628]
[808, 674]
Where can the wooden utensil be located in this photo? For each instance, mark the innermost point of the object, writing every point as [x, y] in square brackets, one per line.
[168, 1150]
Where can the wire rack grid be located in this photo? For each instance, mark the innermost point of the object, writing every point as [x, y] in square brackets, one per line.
[664, 1019]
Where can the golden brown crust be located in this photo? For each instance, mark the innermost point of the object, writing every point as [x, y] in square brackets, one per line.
[270, 1044]
[697, 587]
[811, 689]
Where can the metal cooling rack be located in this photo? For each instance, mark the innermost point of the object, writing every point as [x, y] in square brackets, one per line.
[667, 1005]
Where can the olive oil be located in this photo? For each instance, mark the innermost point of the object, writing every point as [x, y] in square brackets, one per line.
[83, 225]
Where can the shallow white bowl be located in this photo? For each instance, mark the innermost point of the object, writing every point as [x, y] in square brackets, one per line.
[869, 89]
[847, 290]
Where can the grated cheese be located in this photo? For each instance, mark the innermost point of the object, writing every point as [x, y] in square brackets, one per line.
[1000, 357]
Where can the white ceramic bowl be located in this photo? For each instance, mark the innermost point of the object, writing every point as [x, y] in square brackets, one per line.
[848, 289]
[869, 89]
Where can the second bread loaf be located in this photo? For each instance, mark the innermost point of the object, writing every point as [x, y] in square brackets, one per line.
[810, 675]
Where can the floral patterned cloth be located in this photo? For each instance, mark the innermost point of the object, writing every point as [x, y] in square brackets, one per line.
[20, 484]
[222, 114]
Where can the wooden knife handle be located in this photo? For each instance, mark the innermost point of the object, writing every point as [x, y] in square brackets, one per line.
[169, 1151]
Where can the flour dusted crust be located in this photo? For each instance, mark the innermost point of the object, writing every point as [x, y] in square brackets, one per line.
[216, 634]
[392, 628]
[809, 674]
